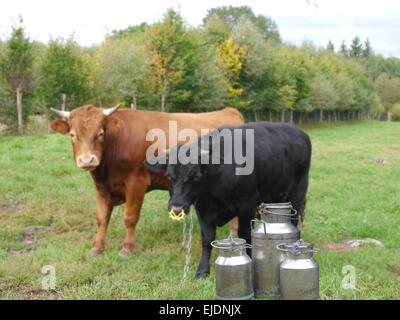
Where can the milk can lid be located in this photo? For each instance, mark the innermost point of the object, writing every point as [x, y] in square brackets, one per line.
[229, 243]
[268, 209]
[284, 205]
[297, 248]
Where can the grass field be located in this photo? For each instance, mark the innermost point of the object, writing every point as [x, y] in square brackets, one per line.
[351, 196]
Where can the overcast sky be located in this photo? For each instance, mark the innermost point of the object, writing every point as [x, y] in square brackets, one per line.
[298, 20]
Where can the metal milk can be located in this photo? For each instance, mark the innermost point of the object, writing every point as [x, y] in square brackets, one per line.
[274, 228]
[233, 271]
[299, 272]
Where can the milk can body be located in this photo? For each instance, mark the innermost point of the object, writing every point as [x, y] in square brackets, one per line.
[233, 270]
[274, 228]
[299, 272]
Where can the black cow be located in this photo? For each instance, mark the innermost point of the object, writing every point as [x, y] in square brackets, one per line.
[282, 155]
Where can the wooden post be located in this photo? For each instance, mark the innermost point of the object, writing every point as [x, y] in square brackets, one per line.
[270, 115]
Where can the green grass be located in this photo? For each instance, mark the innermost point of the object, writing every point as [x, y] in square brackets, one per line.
[350, 196]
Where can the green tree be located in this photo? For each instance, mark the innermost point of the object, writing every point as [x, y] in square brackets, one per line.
[121, 70]
[389, 93]
[64, 72]
[344, 51]
[255, 63]
[344, 87]
[367, 51]
[129, 31]
[217, 30]
[330, 47]
[323, 94]
[356, 48]
[169, 50]
[16, 67]
[232, 15]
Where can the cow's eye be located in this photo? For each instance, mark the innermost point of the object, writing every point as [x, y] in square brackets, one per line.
[101, 134]
[72, 134]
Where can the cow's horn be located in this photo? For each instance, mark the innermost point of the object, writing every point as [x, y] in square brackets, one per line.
[61, 114]
[109, 111]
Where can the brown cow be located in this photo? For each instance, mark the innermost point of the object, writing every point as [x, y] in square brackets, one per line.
[112, 145]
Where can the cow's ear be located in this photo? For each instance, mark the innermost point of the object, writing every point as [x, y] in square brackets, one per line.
[156, 164]
[60, 126]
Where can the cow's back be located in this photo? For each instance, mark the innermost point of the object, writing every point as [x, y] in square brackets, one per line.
[127, 145]
[282, 154]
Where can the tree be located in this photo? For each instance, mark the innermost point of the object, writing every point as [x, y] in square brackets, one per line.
[356, 48]
[344, 87]
[368, 51]
[170, 52]
[232, 16]
[217, 30]
[330, 47]
[16, 66]
[255, 65]
[230, 56]
[323, 94]
[209, 91]
[64, 72]
[121, 70]
[343, 49]
[388, 91]
[129, 31]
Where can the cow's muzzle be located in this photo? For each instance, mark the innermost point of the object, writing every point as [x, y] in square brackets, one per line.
[176, 209]
[177, 213]
[87, 162]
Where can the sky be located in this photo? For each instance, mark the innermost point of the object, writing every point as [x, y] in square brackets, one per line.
[298, 20]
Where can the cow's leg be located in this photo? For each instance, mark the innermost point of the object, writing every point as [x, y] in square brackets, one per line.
[298, 199]
[208, 232]
[135, 193]
[104, 208]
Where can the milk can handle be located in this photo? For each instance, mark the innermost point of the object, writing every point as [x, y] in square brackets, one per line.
[246, 246]
[281, 247]
[293, 212]
[258, 221]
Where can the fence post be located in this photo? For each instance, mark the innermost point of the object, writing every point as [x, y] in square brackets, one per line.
[64, 100]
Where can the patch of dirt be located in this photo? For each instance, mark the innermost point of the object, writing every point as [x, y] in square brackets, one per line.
[395, 269]
[382, 161]
[8, 208]
[33, 294]
[350, 245]
[337, 247]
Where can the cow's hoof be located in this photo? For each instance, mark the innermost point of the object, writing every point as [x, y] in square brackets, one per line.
[97, 251]
[202, 275]
[124, 252]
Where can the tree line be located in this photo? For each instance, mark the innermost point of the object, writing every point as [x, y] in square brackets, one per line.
[234, 58]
